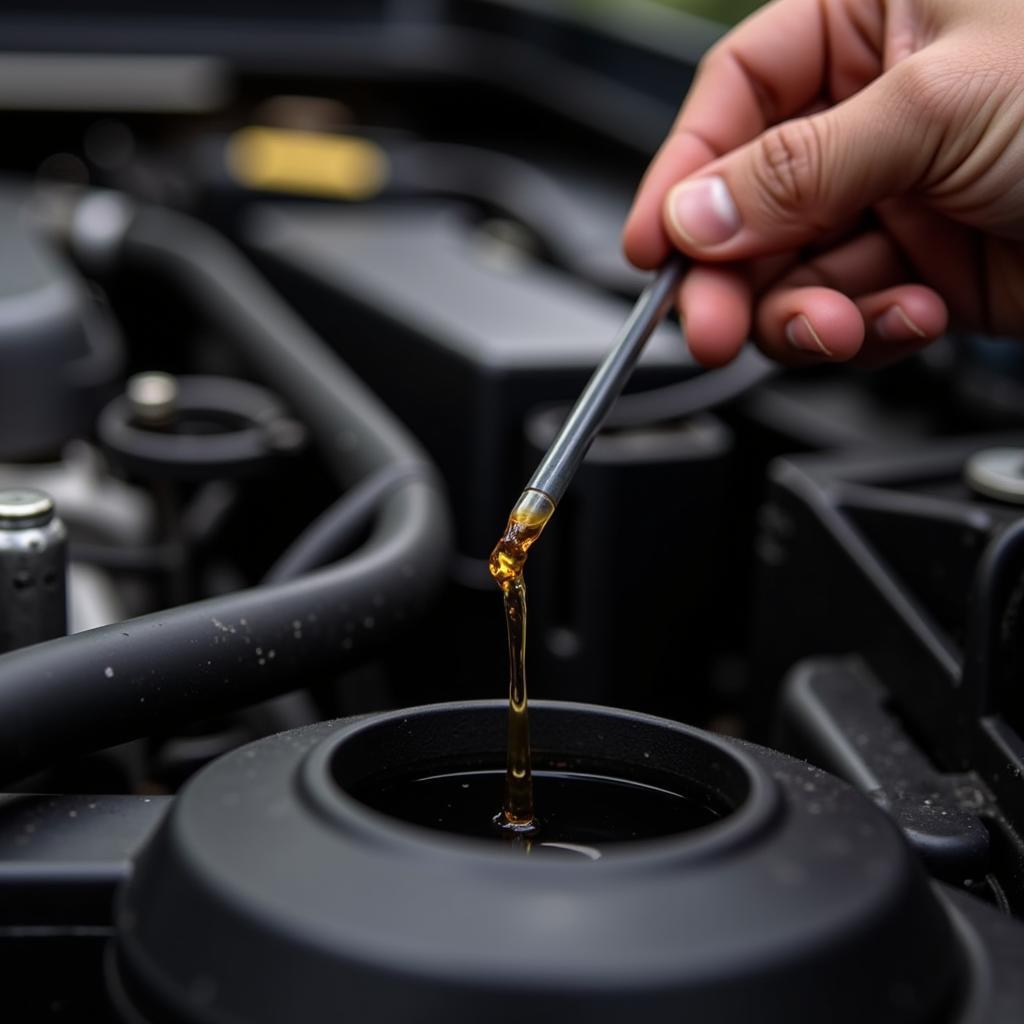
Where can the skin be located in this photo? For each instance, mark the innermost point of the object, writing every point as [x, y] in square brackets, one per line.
[873, 154]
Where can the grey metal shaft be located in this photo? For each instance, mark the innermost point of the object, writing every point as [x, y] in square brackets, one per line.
[569, 448]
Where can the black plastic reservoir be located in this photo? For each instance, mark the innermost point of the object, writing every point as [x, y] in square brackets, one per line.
[274, 891]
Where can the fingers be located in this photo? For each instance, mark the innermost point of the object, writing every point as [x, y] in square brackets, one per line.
[864, 263]
[714, 306]
[899, 321]
[803, 178]
[944, 254]
[770, 68]
[850, 302]
[809, 315]
[800, 326]
[870, 271]
[803, 326]
[644, 238]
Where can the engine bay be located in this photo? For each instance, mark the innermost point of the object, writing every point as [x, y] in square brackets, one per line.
[290, 304]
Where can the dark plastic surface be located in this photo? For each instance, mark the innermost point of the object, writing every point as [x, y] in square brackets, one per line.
[637, 547]
[994, 944]
[61, 857]
[61, 860]
[478, 346]
[301, 904]
[621, 78]
[888, 554]
[834, 713]
[55, 340]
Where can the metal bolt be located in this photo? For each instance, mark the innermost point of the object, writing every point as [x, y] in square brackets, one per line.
[153, 398]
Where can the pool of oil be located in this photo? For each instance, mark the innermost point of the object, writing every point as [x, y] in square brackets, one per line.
[577, 812]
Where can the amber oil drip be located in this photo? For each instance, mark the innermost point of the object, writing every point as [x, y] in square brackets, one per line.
[525, 524]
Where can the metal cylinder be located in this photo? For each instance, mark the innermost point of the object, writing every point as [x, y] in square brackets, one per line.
[33, 569]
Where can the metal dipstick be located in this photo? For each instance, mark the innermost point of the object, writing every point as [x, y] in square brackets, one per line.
[569, 448]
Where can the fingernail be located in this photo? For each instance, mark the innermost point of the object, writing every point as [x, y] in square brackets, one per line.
[894, 324]
[702, 211]
[803, 337]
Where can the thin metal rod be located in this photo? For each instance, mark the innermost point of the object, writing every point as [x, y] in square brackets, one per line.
[569, 448]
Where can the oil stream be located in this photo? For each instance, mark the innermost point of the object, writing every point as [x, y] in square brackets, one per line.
[525, 524]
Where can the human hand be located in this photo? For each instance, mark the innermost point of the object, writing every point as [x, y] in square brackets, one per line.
[849, 174]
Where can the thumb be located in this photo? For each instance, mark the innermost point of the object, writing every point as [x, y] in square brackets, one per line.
[804, 177]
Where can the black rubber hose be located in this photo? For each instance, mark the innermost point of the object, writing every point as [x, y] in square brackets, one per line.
[110, 685]
[330, 535]
[336, 529]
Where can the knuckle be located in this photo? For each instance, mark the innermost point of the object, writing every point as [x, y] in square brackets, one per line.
[710, 59]
[711, 62]
[788, 165]
[921, 91]
[932, 93]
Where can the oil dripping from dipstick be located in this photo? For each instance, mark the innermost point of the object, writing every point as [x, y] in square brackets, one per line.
[507, 561]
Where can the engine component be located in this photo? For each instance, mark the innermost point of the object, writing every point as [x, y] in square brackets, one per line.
[940, 636]
[61, 859]
[153, 398]
[196, 428]
[33, 570]
[835, 713]
[55, 340]
[801, 904]
[609, 635]
[479, 347]
[117, 683]
[94, 504]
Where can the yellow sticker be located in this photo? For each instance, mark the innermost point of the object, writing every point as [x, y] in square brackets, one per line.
[307, 163]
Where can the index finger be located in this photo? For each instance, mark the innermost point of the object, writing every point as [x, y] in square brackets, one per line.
[771, 67]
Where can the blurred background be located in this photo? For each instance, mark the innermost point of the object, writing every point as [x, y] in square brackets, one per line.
[727, 11]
